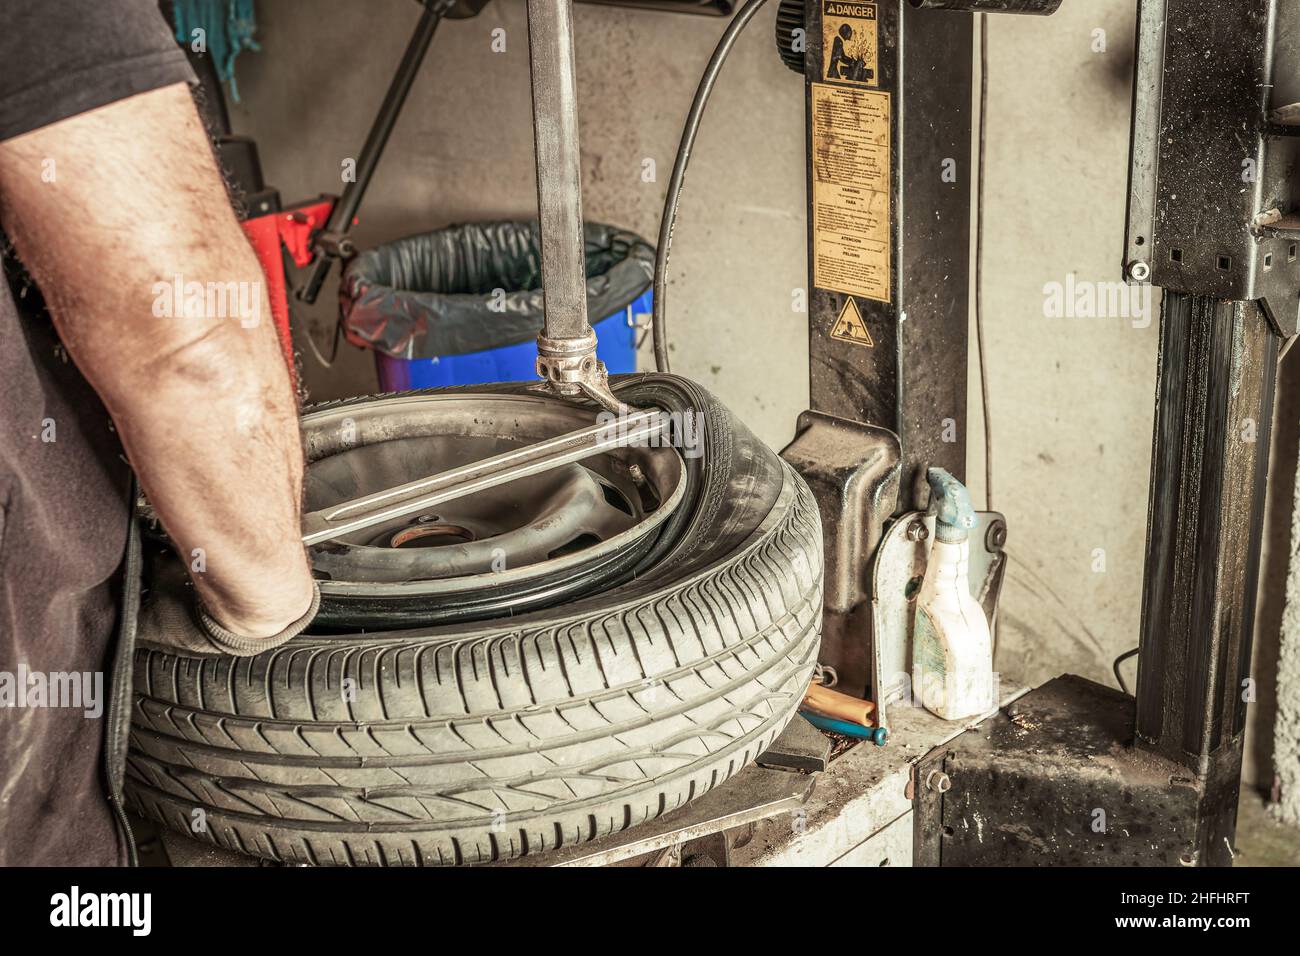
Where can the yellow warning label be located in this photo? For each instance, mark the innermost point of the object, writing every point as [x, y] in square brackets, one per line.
[849, 327]
[851, 190]
[850, 43]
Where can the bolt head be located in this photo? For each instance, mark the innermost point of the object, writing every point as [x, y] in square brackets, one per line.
[938, 781]
[996, 536]
[918, 531]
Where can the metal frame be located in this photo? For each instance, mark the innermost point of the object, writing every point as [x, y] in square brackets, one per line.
[1211, 194]
[1214, 219]
[881, 414]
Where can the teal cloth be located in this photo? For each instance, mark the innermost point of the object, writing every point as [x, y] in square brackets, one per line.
[228, 27]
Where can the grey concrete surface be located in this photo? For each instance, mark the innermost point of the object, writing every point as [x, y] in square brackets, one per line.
[1262, 839]
[1071, 398]
[1282, 645]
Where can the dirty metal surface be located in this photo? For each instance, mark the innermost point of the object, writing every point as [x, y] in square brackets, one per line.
[852, 470]
[1214, 408]
[1211, 169]
[1054, 780]
[801, 747]
[864, 791]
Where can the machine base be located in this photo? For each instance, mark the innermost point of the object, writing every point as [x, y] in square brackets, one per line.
[1054, 780]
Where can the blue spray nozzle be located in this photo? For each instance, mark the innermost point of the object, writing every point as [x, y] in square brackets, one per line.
[951, 504]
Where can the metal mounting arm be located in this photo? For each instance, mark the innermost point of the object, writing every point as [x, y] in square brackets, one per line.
[566, 347]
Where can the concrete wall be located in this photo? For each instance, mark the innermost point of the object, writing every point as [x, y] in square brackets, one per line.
[1071, 398]
[463, 150]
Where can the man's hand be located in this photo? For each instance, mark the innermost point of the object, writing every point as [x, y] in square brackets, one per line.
[171, 618]
[122, 217]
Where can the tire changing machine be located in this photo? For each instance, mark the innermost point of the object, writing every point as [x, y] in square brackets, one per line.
[1072, 772]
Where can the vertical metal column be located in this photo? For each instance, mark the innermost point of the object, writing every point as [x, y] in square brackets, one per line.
[888, 100]
[1217, 376]
[1211, 193]
[1215, 394]
[566, 347]
[1213, 205]
[903, 368]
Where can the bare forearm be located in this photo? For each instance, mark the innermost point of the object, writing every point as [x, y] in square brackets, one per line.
[160, 301]
[212, 431]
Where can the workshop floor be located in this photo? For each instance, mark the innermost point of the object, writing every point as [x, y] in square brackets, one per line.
[1261, 839]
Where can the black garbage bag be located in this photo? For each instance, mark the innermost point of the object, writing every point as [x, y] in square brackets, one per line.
[435, 294]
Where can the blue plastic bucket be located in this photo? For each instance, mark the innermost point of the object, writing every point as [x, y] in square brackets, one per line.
[615, 346]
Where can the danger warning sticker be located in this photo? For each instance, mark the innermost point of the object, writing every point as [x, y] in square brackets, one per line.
[849, 327]
[851, 137]
[850, 43]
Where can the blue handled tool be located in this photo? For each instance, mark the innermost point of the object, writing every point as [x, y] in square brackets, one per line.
[877, 735]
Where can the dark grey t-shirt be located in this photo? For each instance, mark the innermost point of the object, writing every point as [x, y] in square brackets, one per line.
[64, 484]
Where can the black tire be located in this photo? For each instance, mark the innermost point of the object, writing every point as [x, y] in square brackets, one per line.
[474, 742]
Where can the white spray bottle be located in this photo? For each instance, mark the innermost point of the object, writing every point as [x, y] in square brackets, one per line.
[952, 650]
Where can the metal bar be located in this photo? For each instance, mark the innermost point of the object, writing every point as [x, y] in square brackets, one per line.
[708, 8]
[330, 239]
[1214, 408]
[414, 496]
[559, 168]
[1036, 7]
[566, 346]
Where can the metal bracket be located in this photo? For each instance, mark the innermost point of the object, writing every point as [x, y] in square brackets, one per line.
[895, 580]
[569, 367]
[1214, 209]
[852, 470]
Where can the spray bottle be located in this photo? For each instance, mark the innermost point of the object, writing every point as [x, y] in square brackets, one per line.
[952, 655]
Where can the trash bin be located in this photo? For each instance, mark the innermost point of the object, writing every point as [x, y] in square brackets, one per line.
[463, 305]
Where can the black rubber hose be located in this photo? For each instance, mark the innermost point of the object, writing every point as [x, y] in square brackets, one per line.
[669, 218]
[1119, 678]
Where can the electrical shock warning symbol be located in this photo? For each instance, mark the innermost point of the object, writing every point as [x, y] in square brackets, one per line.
[849, 327]
[850, 42]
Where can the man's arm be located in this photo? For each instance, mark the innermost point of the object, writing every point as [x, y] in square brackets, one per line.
[112, 211]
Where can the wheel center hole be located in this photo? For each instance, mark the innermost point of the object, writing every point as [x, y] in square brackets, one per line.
[431, 536]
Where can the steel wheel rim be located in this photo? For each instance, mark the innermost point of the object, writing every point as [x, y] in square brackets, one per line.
[481, 420]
